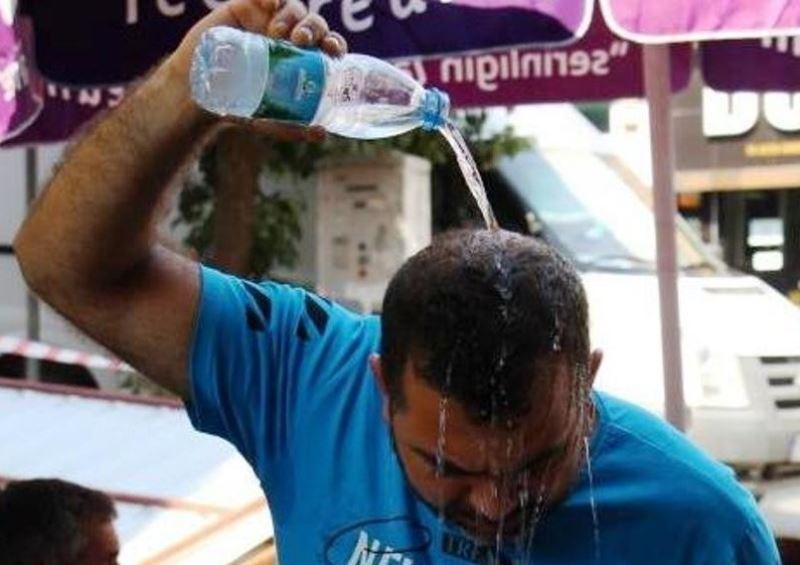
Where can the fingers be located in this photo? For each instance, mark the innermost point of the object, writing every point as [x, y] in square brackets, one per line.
[334, 44]
[286, 19]
[313, 31]
[251, 15]
[310, 30]
[290, 20]
[281, 19]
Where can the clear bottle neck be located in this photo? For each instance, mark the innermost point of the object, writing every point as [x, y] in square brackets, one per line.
[435, 109]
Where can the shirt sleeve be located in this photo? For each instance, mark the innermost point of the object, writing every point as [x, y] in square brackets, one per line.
[260, 352]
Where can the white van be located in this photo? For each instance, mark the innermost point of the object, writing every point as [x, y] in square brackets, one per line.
[740, 338]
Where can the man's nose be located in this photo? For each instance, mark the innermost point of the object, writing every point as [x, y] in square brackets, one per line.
[494, 499]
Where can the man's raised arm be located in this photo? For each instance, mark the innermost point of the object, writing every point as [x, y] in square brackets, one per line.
[89, 246]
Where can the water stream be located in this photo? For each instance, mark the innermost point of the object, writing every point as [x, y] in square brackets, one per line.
[595, 520]
[476, 187]
[469, 169]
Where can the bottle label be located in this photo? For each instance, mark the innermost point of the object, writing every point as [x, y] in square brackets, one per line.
[295, 84]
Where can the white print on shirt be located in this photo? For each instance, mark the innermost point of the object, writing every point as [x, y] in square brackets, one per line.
[374, 552]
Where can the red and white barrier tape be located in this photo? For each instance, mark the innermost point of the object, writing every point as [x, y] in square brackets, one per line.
[43, 351]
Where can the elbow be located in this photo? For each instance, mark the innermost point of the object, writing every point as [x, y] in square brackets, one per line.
[39, 263]
[29, 259]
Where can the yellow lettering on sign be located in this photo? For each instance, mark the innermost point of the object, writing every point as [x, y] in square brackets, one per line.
[767, 149]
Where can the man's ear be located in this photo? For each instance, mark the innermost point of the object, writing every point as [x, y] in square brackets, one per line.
[595, 360]
[380, 378]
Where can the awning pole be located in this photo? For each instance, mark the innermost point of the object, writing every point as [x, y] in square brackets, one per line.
[658, 90]
[33, 322]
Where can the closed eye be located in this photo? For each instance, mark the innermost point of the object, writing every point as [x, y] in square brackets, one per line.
[542, 460]
[446, 469]
[537, 463]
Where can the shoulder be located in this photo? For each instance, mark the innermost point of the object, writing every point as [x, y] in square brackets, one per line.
[654, 455]
[267, 304]
[674, 482]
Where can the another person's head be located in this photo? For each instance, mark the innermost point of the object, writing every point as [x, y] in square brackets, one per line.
[54, 522]
[486, 369]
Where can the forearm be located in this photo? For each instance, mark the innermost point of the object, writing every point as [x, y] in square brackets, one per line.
[96, 220]
[89, 248]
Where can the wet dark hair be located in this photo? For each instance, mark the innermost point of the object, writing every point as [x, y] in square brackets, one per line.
[481, 315]
[45, 521]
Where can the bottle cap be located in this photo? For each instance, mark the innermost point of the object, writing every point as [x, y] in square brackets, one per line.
[435, 109]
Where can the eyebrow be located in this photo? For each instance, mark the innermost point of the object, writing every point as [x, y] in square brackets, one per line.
[450, 467]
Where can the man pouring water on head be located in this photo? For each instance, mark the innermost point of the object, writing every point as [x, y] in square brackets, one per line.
[459, 427]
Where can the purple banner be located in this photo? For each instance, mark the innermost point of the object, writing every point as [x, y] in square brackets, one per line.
[682, 20]
[65, 111]
[761, 65]
[572, 14]
[600, 66]
[20, 89]
[94, 42]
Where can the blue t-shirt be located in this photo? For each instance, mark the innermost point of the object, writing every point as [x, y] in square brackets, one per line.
[283, 375]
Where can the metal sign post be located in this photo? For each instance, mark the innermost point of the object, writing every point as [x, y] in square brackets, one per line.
[33, 329]
[657, 87]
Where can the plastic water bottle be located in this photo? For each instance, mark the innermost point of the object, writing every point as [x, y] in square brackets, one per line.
[236, 73]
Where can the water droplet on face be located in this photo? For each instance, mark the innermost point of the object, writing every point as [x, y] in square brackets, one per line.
[509, 445]
[524, 497]
[441, 441]
[440, 454]
[538, 510]
[498, 549]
